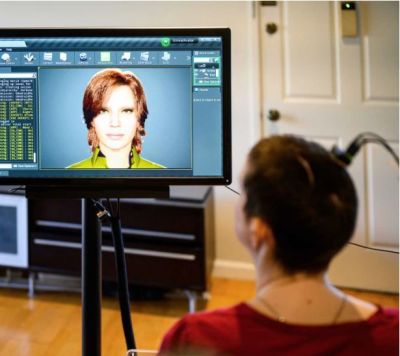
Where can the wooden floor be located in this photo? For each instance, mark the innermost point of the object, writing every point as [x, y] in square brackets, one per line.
[50, 324]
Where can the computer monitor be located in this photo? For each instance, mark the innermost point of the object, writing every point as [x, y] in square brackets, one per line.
[111, 107]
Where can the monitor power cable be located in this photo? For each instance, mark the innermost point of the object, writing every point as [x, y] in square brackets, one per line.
[350, 243]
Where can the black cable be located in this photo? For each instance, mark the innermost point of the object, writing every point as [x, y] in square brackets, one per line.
[123, 291]
[384, 144]
[351, 243]
[373, 248]
[370, 137]
[360, 140]
[16, 189]
[232, 190]
[120, 265]
[110, 207]
[102, 212]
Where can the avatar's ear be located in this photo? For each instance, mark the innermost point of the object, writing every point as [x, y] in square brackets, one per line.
[260, 233]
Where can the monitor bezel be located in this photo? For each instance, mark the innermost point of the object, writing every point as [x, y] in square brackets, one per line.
[109, 182]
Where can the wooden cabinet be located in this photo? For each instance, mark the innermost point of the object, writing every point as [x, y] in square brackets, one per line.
[169, 243]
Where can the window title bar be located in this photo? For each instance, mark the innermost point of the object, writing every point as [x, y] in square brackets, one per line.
[109, 42]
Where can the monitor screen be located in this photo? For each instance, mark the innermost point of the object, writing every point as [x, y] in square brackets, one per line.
[109, 106]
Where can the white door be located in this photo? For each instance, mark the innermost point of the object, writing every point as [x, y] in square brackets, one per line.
[329, 88]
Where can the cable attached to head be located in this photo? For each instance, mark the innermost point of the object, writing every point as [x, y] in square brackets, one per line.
[360, 140]
[347, 157]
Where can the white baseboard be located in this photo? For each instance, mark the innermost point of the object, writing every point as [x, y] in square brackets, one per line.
[233, 270]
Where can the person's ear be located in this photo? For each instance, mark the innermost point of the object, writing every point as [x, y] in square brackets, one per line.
[260, 232]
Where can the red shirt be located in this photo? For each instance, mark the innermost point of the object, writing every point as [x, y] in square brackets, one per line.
[241, 330]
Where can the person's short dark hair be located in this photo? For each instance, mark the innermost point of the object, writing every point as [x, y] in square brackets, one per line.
[307, 198]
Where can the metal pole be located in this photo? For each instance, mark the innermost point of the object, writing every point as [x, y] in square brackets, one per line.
[91, 280]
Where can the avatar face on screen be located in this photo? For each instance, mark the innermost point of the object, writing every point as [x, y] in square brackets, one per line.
[115, 111]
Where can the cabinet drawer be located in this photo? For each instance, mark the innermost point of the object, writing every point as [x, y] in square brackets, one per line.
[162, 267]
[51, 227]
[140, 222]
[166, 218]
[66, 210]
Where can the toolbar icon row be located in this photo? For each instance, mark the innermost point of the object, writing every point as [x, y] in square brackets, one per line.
[96, 58]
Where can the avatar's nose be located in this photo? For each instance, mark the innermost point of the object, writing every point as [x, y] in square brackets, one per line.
[115, 121]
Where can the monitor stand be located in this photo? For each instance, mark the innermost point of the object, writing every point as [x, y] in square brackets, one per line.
[91, 250]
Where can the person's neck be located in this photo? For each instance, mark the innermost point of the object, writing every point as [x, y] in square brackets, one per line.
[302, 298]
[117, 159]
[271, 276]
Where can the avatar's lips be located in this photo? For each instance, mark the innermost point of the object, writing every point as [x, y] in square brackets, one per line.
[115, 137]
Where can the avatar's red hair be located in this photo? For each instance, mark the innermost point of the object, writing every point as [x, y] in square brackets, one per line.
[96, 92]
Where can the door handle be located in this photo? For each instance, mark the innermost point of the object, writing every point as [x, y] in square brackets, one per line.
[274, 115]
[271, 28]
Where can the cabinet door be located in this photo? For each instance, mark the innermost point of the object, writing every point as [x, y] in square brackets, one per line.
[165, 252]
[13, 231]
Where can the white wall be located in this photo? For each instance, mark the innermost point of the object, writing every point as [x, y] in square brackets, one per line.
[231, 259]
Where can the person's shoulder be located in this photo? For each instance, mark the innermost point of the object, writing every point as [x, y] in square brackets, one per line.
[145, 163]
[176, 337]
[384, 330]
[198, 330]
[86, 163]
[391, 313]
[216, 313]
[388, 318]
[385, 315]
[210, 316]
[206, 320]
[207, 317]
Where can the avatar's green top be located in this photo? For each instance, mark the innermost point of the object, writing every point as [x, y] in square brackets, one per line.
[98, 160]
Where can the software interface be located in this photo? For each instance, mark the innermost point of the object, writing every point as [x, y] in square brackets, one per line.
[43, 129]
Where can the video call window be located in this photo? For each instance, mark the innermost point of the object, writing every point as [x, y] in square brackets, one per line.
[111, 106]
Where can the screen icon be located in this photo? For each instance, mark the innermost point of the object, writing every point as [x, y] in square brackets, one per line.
[48, 56]
[29, 57]
[165, 42]
[63, 56]
[166, 56]
[5, 57]
[126, 56]
[83, 57]
[105, 56]
[144, 56]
